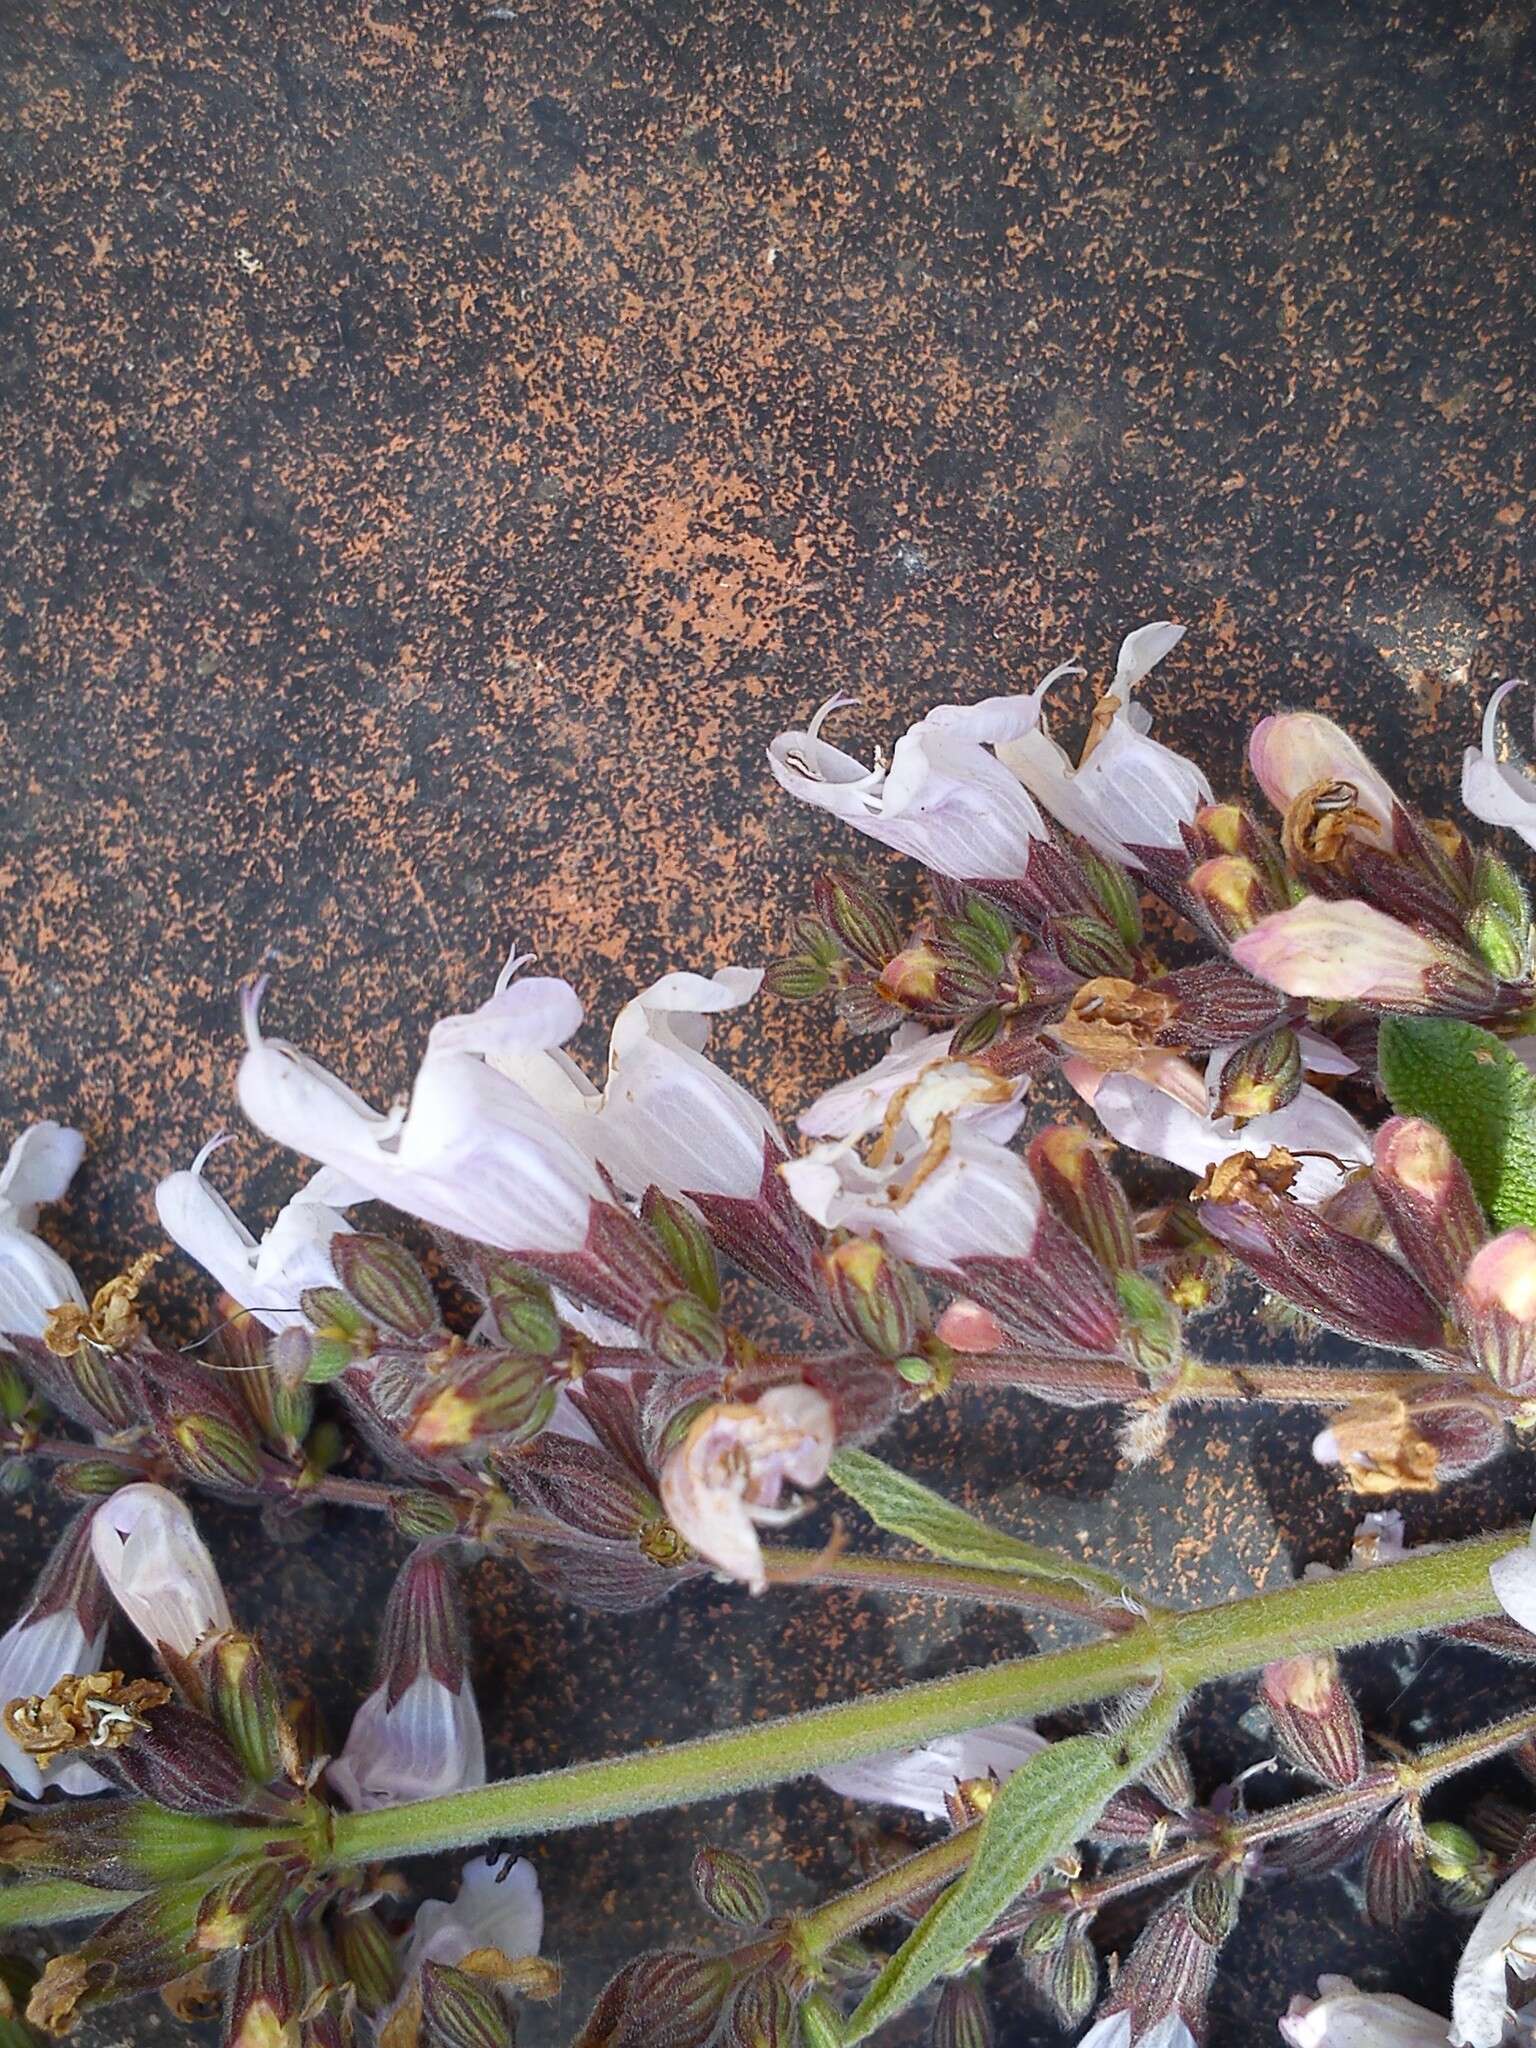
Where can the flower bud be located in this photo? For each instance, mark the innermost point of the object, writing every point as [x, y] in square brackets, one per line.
[146, 1945]
[1394, 1866]
[1347, 951]
[911, 977]
[1089, 946]
[1428, 1200]
[520, 1304]
[421, 1516]
[178, 1758]
[762, 2014]
[1153, 1336]
[246, 1703]
[118, 1844]
[387, 1284]
[157, 1568]
[1459, 1861]
[1071, 1982]
[203, 1426]
[342, 1334]
[730, 1888]
[1114, 892]
[243, 1907]
[821, 2024]
[687, 1245]
[1261, 1076]
[1497, 1309]
[1068, 1166]
[1233, 893]
[459, 2010]
[1212, 1901]
[684, 1333]
[1314, 1719]
[1503, 945]
[674, 1992]
[368, 1959]
[859, 916]
[876, 1297]
[268, 1993]
[93, 1478]
[482, 1396]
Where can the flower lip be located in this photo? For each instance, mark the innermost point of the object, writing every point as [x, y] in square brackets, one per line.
[157, 1568]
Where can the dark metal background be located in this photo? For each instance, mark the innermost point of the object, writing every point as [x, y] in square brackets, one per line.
[440, 446]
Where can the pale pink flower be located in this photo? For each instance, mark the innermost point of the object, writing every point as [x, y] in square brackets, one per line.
[1495, 791]
[945, 800]
[1503, 1941]
[33, 1278]
[918, 1082]
[266, 1275]
[1514, 1583]
[962, 1196]
[157, 1568]
[497, 1905]
[475, 1153]
[1342, 2017]
[1296, 750]
[728, 1474]
[1162, 1109]
[1129, 791]
[1343, 952]
[921, 1780]
[417, 1735]
[62, 1633]
[1119, 2030]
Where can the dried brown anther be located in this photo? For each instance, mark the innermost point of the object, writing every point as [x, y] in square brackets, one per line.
[1244, 1177]
[1378, 1447]
[1113, 1022]
[101, 1710]
[110, 1323]
[1322, 821]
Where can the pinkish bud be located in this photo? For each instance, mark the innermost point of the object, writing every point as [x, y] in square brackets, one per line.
[730, 1470]
[1429, 1201]
[1497, 1309]
[967, 1326]
[1348, 951]
[876, 1297]
[1314, 1719]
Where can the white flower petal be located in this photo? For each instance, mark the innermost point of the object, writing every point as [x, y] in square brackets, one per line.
[157, 1568]
[34, 1656]
[1113, 2031]
[1342, 2017]
[1514, 1584]
[267, 1277]
[38, 1170]
[979, 1198]
[496, 1907]
[1495, 791]
[1505, 1934]
[33, 1280]
[475, 1153]
[920, 1780]
[945, 801]
[427, 1744]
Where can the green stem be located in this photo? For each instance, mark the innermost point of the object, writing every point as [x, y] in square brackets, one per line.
[934, 1580]
[53, 1899]
[1428, 1590]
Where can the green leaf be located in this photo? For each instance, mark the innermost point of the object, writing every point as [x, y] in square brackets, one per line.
[1470, 1084]
[900, 1506]
[1046, 1806]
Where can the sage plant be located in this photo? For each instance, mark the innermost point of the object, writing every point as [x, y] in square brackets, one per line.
[1318, 1005]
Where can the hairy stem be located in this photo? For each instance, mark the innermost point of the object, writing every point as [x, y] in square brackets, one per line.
[1427, 1590]
[54, 1899]
[932, 1579]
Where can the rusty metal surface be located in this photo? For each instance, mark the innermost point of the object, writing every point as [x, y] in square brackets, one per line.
[442, 444]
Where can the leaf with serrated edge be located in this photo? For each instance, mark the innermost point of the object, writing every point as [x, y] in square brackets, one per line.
[903, 1508]
[1046, 1806]
[1469, 1084]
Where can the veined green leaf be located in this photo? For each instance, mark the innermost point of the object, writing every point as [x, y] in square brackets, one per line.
[1046, 1806]
[1469, 1084]
[900, 1506]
